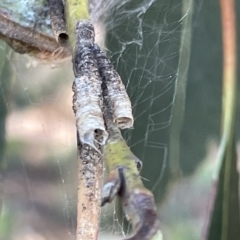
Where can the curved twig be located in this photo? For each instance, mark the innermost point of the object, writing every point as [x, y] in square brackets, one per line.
[124, 179]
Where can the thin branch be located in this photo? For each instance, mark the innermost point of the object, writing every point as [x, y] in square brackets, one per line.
[23, 33]
[90, 125]
[91, 132]
[89, 192]
[124, 178]
[22, 40]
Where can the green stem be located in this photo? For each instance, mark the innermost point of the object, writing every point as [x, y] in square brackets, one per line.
[124, 179]
[75, 10]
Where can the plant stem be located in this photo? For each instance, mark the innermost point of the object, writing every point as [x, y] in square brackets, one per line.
[75, 10]
[223, 220]
[229, 65]
[229, 109]
[89, 192]
[124, 179]
[91, 162]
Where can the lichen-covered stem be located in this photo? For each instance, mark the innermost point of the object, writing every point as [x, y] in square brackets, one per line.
[87, 90]
[90, 164]
[117, 95]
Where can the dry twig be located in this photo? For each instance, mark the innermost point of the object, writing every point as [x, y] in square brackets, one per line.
[81, 36]
[97, 80]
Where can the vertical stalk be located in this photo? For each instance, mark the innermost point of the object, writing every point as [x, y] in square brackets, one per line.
[75, 10]
[89, 193]
[229, 103]
[229, 64]
[91, 162]
[223, 220]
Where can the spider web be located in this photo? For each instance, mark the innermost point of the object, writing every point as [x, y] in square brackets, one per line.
[149, 43]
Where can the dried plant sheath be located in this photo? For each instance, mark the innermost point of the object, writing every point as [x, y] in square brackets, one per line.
[117, 95]
[58, 21]
[87, 88]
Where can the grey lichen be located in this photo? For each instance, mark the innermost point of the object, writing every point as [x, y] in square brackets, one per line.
[117, 95]
[87, 100]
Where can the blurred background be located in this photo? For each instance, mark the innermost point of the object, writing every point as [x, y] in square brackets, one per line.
[169, 55]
